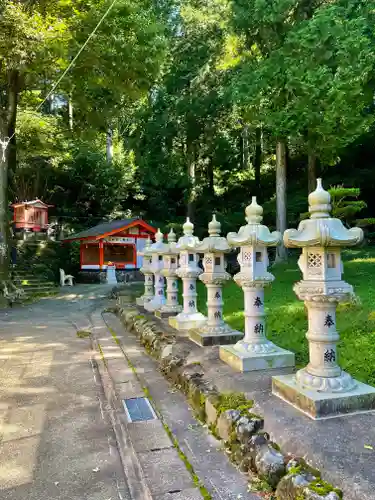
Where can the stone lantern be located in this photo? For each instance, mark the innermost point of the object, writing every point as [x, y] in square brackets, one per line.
[188, 271]
[148, 274]
[214, 248]
[254, 351]
[322, 388]
[156, 267]
[170, 265]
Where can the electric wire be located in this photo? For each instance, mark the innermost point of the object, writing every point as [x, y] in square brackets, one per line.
[5, 142]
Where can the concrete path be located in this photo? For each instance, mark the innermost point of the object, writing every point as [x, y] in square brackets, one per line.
[164, 472]
[55, 441]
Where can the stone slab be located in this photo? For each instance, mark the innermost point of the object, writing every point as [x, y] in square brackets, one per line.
[320, 405]
[152, 306]
[165, 314]
[23, 422]
[140, 301]
[184, 324]
[209, 339]
[164, 471]
[119, 371]
[148, 436]
[129, 389]
[190, 494]
[247, 362]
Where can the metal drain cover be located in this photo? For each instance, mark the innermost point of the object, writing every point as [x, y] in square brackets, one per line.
[139, 409]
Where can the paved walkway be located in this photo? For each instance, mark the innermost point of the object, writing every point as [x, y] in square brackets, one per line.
[54, 440]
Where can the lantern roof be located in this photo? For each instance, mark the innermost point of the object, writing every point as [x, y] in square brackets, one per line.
[146, 250]
[214, 243]
[254, 233]
[170, 247]
[159, 244]
[188, 241]
[106, 229]
[37, 203]
[322, 229]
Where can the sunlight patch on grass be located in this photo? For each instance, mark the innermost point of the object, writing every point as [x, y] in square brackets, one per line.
[366, 260]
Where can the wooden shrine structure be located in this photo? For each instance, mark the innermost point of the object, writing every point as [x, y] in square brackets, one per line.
[117, 242]
[30, 217]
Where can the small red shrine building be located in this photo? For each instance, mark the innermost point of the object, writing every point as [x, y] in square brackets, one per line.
[117, 242]
[30, 216]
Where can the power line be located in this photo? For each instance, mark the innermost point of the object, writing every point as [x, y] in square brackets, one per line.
[6, 141]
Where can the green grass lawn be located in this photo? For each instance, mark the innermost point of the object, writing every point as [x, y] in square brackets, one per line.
[286, 318]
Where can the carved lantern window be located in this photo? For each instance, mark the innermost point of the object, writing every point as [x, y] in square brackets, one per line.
[246, 257]
[208, 263]
[219, 263]
[314, 264]
[333, 264]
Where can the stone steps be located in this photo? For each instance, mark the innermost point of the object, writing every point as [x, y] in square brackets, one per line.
[34, 284]
[40, 289]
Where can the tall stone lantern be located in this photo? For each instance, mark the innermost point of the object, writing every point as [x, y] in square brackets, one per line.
[254, 351]
[214, 248]
[156, 267]
[322, 388]
[148, 274]
[170, 265]
[188, 271]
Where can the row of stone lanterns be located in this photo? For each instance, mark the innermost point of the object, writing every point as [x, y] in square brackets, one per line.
[322, 388]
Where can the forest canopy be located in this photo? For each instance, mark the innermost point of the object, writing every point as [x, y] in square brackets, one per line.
[178, 108]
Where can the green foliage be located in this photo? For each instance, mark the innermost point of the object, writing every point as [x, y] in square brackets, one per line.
[47, 258]
[323, 488]
[120, 63]
[82, 334]
[187, 87]
[345, 209]
[234, 401]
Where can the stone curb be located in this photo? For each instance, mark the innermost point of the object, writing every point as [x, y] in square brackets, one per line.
[133, 471]
[247, 445]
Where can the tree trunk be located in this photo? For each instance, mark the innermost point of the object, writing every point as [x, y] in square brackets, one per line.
[191, 176]
[281, 254]
[13, 91]
[245, 146]
[4, 223]
[109, 150]
[70, 114]
[8, 159]
[210, 179]
[311, 171]
[258, 161]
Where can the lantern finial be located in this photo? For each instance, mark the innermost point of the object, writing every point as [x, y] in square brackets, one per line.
[319, 202]
[254, 212]
[188, 227]
[171, 236]
[214, 227]
[159, 236]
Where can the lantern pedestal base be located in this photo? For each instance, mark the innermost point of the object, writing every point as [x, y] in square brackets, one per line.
[167, 311]
[252, 361]
[322, 405]
[153, 305]
[141, 301]
[215, 335]
[185, 321]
